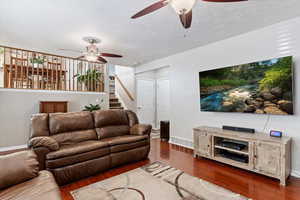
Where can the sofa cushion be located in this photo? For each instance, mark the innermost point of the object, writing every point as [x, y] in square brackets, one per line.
[42, 187]
[110, 118]
[68, 122]
[131, 155]
[81, 170]
[39, 124]
[112, 131]
[125, 139]
[78, 158]
[74, 149]
[75, 136]
[128, 146]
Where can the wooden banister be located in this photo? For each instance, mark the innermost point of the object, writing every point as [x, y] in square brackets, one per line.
[124, 88]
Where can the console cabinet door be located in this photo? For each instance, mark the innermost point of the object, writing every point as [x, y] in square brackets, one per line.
[267, 158]
[204, 144]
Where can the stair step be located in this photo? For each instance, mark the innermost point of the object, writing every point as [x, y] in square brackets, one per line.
[114, 104]
[113, 100]
[116, 108]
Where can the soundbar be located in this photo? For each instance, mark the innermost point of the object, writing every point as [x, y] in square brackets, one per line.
[239, 129]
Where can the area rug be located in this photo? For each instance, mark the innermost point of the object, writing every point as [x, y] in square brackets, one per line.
[156, 181]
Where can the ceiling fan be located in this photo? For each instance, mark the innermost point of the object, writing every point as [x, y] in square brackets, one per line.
[92, 52]
[182, 7]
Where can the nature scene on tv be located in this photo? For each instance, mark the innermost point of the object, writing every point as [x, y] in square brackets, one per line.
[264, 87]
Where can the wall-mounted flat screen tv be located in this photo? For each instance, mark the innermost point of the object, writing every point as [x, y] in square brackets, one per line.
[264, 87]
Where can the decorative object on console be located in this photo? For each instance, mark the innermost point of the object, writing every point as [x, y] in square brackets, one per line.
[240, 129]
[276, 133]
[152, 182]
[256, 152]
[261, 87]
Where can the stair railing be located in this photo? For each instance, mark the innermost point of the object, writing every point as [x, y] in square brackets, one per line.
[124, 88]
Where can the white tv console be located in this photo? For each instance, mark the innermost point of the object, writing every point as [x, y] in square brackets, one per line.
[264, 154]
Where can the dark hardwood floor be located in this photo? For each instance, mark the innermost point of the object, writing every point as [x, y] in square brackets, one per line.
[240, 181]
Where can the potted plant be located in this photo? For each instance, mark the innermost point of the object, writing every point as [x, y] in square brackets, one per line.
[90, 79]
[37, 60]
[93, 107]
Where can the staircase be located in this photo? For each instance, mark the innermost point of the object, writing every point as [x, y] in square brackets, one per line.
[113, 100]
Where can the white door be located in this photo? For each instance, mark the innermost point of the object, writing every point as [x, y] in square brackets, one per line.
[163, 100]
[146, 101]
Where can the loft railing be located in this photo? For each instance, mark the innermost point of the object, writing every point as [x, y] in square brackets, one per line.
[25, 69]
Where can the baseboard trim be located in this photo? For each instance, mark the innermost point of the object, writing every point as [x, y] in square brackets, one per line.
[182, 142]
[189, 144]
[295, 173]
[2, 149]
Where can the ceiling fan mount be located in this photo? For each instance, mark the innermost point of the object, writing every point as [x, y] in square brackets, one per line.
[91, 40]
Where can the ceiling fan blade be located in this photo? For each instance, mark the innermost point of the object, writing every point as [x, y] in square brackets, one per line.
[111, 55]
[80, 57]
[186, 19]
[223, 1]
[102, 60]
[151, 8]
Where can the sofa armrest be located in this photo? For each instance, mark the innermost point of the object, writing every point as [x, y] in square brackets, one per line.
[141, 129]
[47, 142]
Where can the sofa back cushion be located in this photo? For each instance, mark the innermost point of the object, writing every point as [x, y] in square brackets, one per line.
[39, 125]
[17, 168]
[104, 118]
[68, 122]
[75, 136]
[112, 131]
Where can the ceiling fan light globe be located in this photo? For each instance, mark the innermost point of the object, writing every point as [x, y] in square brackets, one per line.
[182, 6]
[91, 58]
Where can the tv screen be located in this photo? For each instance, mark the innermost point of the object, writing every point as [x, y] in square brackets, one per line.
[264, 87]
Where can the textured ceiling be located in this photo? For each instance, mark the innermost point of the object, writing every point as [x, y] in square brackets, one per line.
[48, 25]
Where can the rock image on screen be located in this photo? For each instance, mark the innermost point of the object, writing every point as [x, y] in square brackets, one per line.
[264, 87]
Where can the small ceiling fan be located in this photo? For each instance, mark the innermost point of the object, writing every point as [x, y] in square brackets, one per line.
[92, 52]
[182, 7]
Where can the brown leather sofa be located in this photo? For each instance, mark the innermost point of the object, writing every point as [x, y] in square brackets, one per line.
[20, 178]
[76, 145]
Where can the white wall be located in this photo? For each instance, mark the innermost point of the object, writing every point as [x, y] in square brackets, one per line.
[274, 41]
[126, 75]
[16, 107]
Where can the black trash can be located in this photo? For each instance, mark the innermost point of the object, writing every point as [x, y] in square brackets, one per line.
[165, 130]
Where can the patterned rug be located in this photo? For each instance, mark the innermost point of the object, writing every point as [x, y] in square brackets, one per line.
[155, 181]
